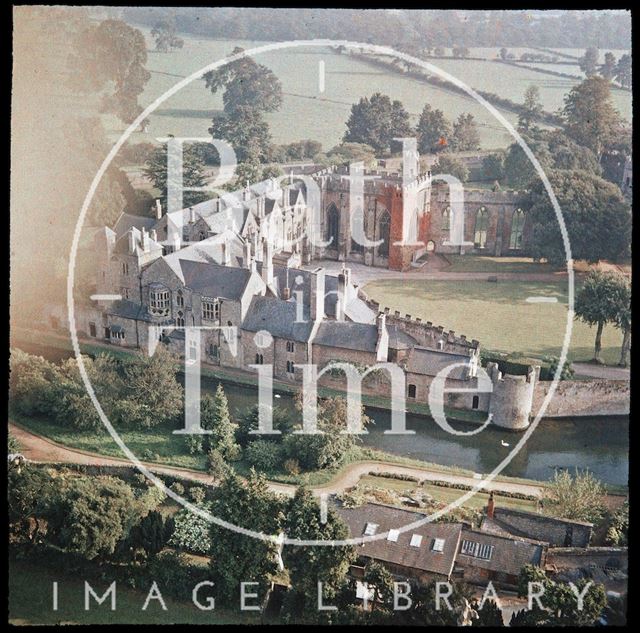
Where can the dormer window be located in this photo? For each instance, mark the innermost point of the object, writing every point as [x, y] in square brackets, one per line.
[159, 301]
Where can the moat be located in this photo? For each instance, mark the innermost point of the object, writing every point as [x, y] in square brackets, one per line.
[599, 444]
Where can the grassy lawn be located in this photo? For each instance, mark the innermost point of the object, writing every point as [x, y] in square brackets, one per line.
[498, 315]
[488, 264]
[30, 602]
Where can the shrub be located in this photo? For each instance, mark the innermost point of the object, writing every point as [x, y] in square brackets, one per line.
[265, 456]
[197, 494]
[177, 487]
[191, 531]
[291, 466]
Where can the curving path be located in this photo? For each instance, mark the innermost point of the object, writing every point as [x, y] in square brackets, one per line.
[40, 449]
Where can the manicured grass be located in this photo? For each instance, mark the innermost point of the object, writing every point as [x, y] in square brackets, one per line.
[488, 264]
[30, 602]
[498, 315]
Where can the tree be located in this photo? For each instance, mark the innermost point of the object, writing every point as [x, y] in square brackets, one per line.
[493, 167]
[590, 118]
[246, 131]
[91, 515]
[264, 455]
[308, 565]
[597, 218]
[603, 298]
[166, 36]
[376, 121]
[433, 130]
[580, 497]
[531, 109]
[489, 615]
[327, 449]
[153, 395]
[623, 320]
[156, 171]
[453, 167]
[623, 71]
[191, 532]
[215, 416]
[352, 153]
[111, 54]
[608, 69]
[460, 51]
[465, 135]
[504, 53]
[236, 557]
[150, 533]
[246, 84]
[618, 531]
[589, 61]
[249, 421]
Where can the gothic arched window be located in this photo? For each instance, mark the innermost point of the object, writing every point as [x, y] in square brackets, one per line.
[180, 319]
[517, 228]
[180, 299]
[482, 222]
[383, 234]
[333, 226]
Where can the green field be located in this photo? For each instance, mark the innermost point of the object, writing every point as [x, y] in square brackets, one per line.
[30, 602]
[307, 113]
[498, 315]
[488, 264]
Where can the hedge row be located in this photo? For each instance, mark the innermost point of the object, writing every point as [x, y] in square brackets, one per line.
[498, 493]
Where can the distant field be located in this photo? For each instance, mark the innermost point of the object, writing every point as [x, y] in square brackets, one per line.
[307, 113]
[497, 314]
[488, 264]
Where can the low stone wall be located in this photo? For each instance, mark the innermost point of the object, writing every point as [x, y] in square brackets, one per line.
[584, 398]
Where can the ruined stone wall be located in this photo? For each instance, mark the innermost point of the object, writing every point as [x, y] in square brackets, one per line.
[584, 398]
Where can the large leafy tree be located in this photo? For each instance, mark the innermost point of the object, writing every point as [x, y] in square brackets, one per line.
[604, 298]
[489, 615]
[590, 117]
[236, 557]
[309, 565]
[376, 121]
[166, 37]
[531, 109]
[152, 393]
[433, 130]
[608, 69]
[579, 497]
[249, 421]
[623, 320]
[156, 170]
[111, 57]
[597, 218]
[465, 135]
[623, 71]
[589, 61]
[452, 167]
[92, 515]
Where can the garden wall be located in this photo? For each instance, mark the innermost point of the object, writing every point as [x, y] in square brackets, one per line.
[584, 398]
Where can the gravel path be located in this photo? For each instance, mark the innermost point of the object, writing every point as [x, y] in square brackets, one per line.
[40, 449]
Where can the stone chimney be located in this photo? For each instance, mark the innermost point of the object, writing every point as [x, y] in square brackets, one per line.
[132, 241]
[176, 242]
[382, 344]
[247, 255]
[342, 296]
[286, 293]
[158, 209]
[145, 240]
[260, 206]
[192, 215]
[154, 235]
[267, 263]
[226, 253]
[491, 506]
[317, 294]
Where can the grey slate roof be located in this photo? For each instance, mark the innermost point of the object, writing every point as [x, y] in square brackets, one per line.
[398, 339]
[347, 334]
[213, 280]
[128, 310]
[126, 221]
[509, 553]
[401, 553]
[429, 362]
[277, 317]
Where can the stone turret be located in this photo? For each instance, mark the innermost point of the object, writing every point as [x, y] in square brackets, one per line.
[512, 397]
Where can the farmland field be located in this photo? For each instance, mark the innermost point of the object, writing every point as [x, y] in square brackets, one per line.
[307, 113]
[497, 314]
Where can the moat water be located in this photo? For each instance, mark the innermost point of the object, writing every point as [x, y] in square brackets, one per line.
[599, 444]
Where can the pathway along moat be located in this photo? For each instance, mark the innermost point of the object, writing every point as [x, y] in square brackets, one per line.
[599, 444]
